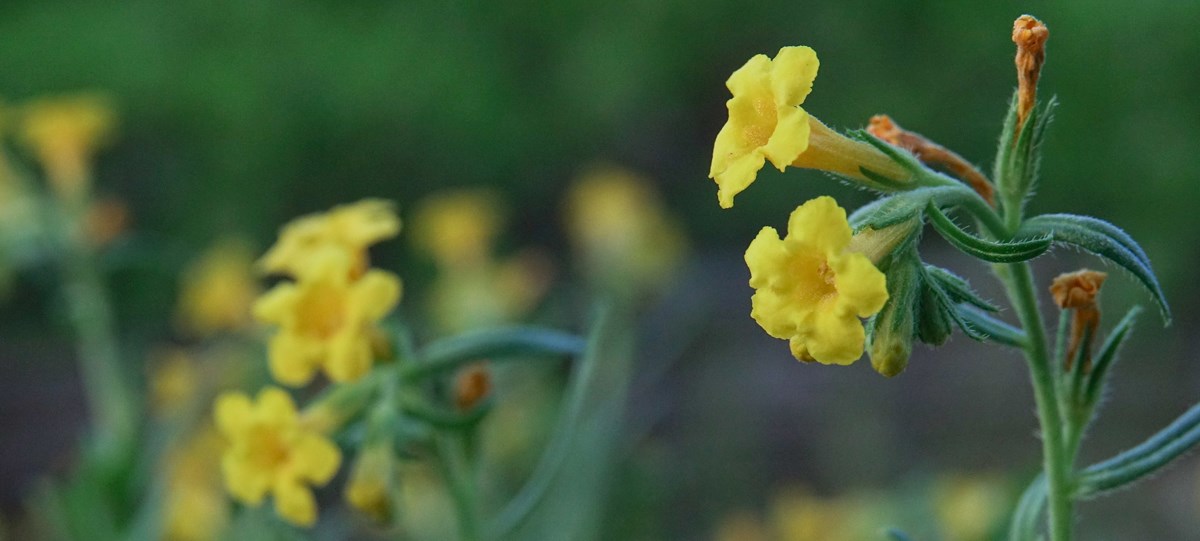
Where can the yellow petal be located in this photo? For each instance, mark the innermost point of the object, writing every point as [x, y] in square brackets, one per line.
[766, 257]
[245, 482]
[753, 75]
[737, 176]
[349, 356]
[292, 359]
[375, 294]
[275, 407]
[366, 222]
[835, 339]
[233, 412]
[295, 503]
[790, 138]
[792, 74]
[314, 458]
[821, 224]
[277, 305]
[861, 288]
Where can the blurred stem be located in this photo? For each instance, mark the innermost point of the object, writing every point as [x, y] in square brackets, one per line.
[1056, 461]
[456, 468]
[110, 399]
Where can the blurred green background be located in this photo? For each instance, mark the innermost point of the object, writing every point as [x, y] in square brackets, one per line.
[237, 115]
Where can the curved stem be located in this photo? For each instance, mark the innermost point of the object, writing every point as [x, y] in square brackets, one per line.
[1056, 460]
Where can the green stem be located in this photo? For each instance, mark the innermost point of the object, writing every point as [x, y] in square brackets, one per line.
[1057, 463]
[457, 471]
[110, 399]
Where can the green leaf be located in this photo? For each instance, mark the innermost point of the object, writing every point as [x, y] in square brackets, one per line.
[1014, 251]
[1156, 452]
[1105, 240]
[1024, 524]
[957, 288]
[1107, 354]
[894, 209]
[983, 327]
[1019, 155]
[934, 323]
[492, 344]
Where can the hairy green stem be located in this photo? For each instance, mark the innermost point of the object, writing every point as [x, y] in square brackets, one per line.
[1057, 462]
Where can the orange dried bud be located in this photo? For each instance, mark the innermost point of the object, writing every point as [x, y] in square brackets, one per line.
[106, 220]
[931, 153]
[1030, 36]
[472, 386]
[1077, 291]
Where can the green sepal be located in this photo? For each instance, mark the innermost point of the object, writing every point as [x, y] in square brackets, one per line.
[934, 323]
[1018, 157]
[1105, 240]
[984, 327]
[893, 209]
[890, 332]
[1014, 251]
[1107, 355]
[957, 288]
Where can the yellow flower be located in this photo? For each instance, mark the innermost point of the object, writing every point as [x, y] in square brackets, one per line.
[64, 132]
[351, 228]
[326, 319]
[219, 289]
[621, 230]
[174, 382]
[369, 487]
[766, 122]
[810, 289]
[457, 227]
[271, 450]
[970, 508]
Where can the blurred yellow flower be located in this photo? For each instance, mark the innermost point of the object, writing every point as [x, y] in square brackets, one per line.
[457, 227]
[271, 450]
[741, 526]
[798, 515]
[970, 508]
[621, 230]
[174, 381]
[325, 319]
[809, 289]
[218, 289]
[64, 133]
[195, 508]
[369, 487]
[766, 122]
[351, 228]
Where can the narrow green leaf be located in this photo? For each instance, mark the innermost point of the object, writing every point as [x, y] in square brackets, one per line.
[1105, 240]
[984, 327]
[1107, 354]
[958, 289]
[1014, 251]
[1025, 519]
[1156, 452]
[492, 344]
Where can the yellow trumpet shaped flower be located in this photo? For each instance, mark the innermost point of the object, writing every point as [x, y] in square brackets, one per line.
[65, 132]
[351, 228]
[271, 451]
[810, 289]
[766, 122]
[326, 319]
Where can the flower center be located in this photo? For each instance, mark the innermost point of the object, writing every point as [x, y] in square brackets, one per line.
[816, 283]
[267, 450]
[759, 127]
[322, 311]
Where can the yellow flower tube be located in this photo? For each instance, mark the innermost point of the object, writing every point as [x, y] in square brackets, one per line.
[766, 122]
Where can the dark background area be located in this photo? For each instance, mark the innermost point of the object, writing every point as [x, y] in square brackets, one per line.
[238, 115]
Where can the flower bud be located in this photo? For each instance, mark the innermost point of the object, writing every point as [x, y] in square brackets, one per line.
[369, 489]
[891, 332]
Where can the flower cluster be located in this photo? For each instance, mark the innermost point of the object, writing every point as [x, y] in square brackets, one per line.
[326, 316]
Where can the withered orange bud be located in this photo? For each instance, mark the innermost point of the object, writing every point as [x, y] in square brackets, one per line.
[106, 220]
[1077, 291]
[472, 386]
[1030, 36]
[931, 153]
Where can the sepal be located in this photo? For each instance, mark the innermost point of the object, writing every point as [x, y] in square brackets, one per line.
[1018, 157]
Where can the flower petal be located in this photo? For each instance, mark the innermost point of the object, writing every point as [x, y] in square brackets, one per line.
[232, 413]
[245, 482]
[821, 224]
[737, 176]
[375, 294]
[276, 305]
[314, 458]
[790, 138]
[861, 288]
[835, 339]
[754, 74]
[348, 357]
[295, 502]
[275, 408]
[292, 359]
[792, 74]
